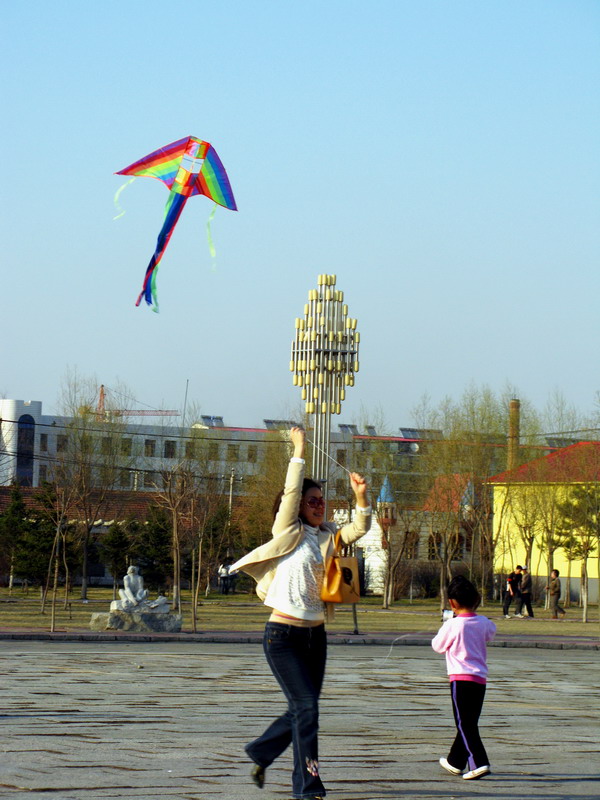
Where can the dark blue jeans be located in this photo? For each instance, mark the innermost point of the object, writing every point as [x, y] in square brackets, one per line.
[297, 659]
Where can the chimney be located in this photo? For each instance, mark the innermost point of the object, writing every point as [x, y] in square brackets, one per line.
[514, 424]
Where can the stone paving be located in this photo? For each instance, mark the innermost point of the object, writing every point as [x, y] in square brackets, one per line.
[168, 720]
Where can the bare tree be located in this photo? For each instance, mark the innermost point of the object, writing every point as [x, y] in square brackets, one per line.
[255, 515]
[92, 457]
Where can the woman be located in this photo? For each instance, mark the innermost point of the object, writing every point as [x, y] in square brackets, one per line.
[289, 572]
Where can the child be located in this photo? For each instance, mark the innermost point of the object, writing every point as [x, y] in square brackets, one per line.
[463, 640]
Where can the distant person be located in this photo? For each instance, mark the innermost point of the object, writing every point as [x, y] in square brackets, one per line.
[463, 639]
[224, 578]
[554, 590]
[232, 576]
[512, 592]
[525, 594]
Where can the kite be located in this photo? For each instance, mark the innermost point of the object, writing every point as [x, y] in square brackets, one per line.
[187, 167]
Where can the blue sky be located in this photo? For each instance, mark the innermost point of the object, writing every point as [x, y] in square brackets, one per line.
[440, 157]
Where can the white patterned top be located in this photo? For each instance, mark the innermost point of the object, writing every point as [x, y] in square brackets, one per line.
[296, 587]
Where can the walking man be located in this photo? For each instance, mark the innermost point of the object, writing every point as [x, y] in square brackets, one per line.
[525, 594]
[512, 592]
[554, 589]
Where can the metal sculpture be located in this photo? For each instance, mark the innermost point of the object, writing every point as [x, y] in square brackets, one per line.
[324, 362]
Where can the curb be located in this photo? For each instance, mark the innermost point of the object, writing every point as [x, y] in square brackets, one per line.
[255, 637]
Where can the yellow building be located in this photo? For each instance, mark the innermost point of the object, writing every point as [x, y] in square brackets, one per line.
[529, 526]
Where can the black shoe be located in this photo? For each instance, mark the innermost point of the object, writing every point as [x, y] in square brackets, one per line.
[257, 773]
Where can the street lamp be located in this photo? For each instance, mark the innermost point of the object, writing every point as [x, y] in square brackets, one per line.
[324, 362]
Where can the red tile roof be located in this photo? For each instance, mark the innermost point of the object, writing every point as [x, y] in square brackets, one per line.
[578, 463]
[447, 493]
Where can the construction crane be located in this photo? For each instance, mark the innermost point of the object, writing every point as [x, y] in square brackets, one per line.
[142, 412]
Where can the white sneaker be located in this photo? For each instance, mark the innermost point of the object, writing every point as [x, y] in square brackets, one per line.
[448, 767]
[520, 616]
[477, 773]
[507, 616]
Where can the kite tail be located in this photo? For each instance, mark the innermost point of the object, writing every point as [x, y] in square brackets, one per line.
[211, 246]
[173, 209]
[149, 286]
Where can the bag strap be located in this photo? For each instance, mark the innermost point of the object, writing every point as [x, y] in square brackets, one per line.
[337, 538]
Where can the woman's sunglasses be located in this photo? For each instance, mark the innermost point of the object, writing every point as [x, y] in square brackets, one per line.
[315, 502]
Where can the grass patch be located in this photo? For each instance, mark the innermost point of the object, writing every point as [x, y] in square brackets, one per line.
[245, 612]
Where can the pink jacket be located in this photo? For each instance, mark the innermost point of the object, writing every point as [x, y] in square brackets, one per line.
[463, 639]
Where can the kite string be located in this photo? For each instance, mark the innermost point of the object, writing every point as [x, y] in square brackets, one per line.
[331, 458]
[397, 639]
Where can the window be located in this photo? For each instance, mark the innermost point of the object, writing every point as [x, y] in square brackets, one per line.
[213, 451]
[412, 546]
[44, 442]
[150, 479]
[170, 449]
[61, 444]
[125, 447]
[105, 446]
[340, 487]
[43, 472]
[106, 476]
[149, 448]
[86, 444]
[434, 547]
[190, 449]
[233, 452]
[341, 457]
[125, 478]
[252, 453]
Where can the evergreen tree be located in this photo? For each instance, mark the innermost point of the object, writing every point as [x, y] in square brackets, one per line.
[34, 551]
[151, 549]
[114, 550]
[13, 528]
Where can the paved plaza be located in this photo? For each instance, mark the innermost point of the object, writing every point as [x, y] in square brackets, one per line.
[164, 720]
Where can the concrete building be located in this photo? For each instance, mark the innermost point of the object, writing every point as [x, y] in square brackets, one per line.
[33, 443]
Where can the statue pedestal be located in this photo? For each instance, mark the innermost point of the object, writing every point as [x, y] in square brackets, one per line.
[137, 622]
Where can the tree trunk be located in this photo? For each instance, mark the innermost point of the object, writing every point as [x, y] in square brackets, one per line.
[198, 577]
[443, 587]
[46, 588]
[67, 575]
[387, 580]
[84, 563]
[193, 590]
[528, 553]
[54, 588]
[568, 589]
[584, 589]
[176, 565]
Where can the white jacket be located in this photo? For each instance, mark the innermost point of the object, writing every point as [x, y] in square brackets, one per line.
[288, 532]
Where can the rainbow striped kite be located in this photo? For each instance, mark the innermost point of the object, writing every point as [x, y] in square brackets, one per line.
[187, 167]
